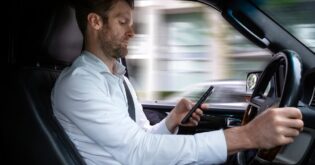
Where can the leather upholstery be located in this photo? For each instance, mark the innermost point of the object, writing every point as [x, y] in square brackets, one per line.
[37, 137]
[32, 134]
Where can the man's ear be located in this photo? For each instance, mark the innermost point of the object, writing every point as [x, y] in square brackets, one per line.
[95, 21]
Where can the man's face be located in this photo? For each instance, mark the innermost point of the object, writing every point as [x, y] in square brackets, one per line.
[116, 33]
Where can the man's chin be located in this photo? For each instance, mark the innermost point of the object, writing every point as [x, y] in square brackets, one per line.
[121, 53]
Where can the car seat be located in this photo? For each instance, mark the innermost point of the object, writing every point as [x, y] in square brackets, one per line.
[44, 38]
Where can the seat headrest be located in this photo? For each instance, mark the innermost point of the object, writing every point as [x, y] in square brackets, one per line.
[64, 39]
[44, 33]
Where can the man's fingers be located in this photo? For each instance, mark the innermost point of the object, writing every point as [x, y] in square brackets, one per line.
[294, 123]
[290, 117]
[199, 112]
[290, 112]
[195, 117]
[290, 132]
[194, 122]
[203, 106]
[286, 140]
[189, 104]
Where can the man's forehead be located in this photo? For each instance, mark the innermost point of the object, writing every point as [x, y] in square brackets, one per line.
[121, 8]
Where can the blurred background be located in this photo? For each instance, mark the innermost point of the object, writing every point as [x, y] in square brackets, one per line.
[182, 45]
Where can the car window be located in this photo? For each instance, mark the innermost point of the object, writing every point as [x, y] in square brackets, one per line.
[295, 15]
[180, 45]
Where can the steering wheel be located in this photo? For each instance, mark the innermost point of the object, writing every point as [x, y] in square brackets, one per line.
[289, 64]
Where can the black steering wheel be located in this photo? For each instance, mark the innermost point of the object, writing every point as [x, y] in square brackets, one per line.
[289, 64]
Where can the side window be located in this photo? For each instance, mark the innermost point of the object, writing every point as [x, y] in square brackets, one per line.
[183, 47]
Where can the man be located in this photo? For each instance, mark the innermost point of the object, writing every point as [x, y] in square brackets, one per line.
[89, 100]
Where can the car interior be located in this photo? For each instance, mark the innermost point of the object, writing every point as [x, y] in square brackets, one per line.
[44, 38]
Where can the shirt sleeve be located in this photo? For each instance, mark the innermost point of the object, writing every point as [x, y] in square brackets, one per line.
[89, 107]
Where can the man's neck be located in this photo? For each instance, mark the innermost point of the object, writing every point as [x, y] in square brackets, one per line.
[110, 62]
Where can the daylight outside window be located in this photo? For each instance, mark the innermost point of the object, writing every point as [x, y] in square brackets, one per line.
[181, 46]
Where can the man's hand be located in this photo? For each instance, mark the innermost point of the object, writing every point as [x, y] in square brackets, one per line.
[274, 127]
[178, 113]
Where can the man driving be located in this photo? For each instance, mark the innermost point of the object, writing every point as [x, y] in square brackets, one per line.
[90, 101]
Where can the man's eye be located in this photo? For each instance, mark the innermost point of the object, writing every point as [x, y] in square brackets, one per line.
[122, 22]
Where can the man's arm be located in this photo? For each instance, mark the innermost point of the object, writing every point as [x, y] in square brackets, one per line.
[274, 127]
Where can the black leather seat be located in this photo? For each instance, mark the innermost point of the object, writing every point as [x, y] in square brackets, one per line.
[37, 136]
[31, 133]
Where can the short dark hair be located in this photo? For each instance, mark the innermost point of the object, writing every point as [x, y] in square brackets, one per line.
[101, 7]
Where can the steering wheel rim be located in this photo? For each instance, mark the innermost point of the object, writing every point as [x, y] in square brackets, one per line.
[260, 102]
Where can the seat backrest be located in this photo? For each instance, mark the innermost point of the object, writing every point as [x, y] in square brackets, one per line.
[33, 135]
[37, 136]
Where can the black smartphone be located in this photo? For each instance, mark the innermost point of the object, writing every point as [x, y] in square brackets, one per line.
[197, 105]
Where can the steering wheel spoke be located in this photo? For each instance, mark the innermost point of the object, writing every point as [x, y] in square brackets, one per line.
[263, 103]
[258, 101]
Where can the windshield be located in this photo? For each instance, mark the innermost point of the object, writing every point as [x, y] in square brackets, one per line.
[296, 16]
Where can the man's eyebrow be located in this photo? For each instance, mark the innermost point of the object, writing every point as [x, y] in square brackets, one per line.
[125, 15]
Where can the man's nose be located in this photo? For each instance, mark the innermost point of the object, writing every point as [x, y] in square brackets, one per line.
[130, 32]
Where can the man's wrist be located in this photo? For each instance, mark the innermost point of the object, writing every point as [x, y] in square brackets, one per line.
[171, 123]
[248, 137]
[238, 139]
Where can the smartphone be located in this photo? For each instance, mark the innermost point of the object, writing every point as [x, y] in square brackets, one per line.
[198, 104]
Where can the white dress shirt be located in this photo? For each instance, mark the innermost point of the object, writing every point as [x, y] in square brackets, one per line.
[91, 105]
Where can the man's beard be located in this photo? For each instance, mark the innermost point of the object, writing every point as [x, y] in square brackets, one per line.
[112, 48]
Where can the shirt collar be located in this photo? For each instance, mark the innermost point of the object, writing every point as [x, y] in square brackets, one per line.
[100, 66]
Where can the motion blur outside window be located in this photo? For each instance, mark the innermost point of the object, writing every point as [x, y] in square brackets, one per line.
[181, 46]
